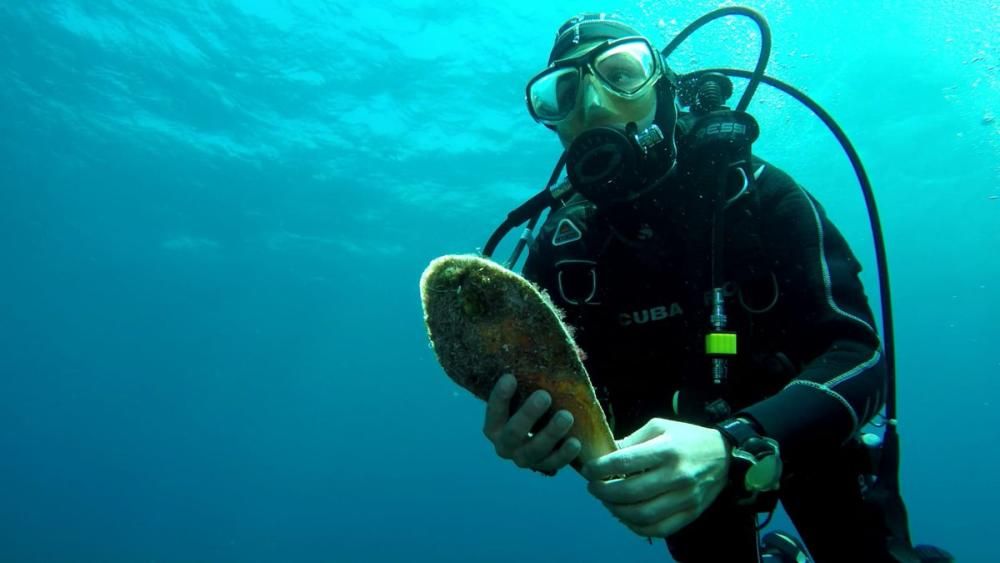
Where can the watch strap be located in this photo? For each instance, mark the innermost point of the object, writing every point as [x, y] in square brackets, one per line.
[737, 431]
[746, 447]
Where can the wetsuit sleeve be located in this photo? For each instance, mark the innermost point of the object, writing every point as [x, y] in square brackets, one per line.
[829, 330]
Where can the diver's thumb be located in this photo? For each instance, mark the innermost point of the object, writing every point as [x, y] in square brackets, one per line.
[652, 429]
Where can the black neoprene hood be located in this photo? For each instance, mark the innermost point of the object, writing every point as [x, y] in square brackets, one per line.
[587, 28]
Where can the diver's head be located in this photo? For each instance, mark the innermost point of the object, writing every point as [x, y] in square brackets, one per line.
[603, 91]
[601, 73]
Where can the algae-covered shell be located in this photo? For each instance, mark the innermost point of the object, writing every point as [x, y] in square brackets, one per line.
[484, 320]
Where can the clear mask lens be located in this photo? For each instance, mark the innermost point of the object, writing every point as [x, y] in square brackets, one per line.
[554, 94]
[624, 68]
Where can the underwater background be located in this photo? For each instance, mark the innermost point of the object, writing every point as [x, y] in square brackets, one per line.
[214, 215]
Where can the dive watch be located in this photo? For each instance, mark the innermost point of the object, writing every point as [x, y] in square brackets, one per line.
[755, 460]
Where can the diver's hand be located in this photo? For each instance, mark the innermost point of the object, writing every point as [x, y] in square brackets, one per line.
[663, 477]
[512, 437]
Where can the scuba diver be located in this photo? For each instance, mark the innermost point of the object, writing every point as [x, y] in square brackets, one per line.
[727, 334]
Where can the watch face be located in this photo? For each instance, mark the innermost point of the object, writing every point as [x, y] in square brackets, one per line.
[765, 475]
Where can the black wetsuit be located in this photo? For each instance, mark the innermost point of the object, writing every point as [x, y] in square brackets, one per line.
[635, 283]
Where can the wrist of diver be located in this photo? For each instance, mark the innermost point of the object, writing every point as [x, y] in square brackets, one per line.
[754, 467]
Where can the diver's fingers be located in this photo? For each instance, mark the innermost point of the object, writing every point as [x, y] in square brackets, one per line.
[541, 445]
[566, 453]
[498, 406]
[517, 430]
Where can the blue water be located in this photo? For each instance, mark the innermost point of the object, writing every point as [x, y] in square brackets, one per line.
[213, 218]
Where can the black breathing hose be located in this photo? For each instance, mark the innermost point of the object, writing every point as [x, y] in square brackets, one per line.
[765, 44]
[755, 78]
[888, 343]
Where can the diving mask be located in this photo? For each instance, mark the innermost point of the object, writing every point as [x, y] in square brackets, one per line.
[626, 67]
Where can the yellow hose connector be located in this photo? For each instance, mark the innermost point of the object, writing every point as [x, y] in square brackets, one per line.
[720, 344]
